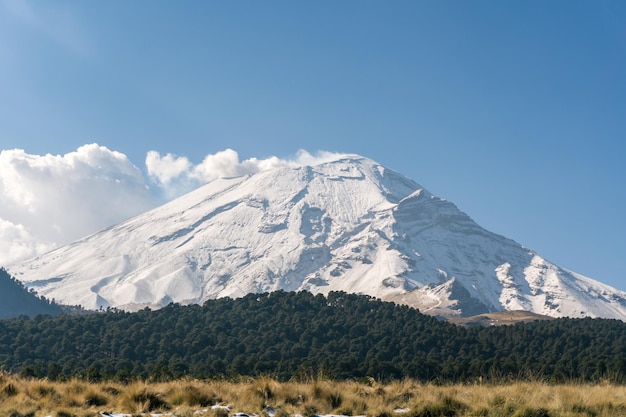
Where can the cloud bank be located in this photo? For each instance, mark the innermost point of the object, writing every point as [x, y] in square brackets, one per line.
[176, 175]
[47, 201]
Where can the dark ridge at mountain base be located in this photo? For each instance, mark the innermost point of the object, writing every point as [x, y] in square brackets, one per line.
[15, 300]
[289, 335]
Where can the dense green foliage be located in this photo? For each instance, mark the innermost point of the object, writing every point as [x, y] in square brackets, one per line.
[287, 334]
[16, 300]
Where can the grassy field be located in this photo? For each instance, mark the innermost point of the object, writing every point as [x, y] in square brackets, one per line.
[186, 398]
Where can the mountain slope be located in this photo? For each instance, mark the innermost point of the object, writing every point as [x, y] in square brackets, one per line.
[350, 225]
[15, 300]
[500, 318]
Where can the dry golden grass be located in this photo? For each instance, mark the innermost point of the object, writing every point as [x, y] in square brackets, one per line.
[184, 398]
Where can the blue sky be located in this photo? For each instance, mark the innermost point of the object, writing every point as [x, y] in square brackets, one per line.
[513, 110]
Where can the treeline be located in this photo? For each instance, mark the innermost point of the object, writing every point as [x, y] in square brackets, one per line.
[287, 334]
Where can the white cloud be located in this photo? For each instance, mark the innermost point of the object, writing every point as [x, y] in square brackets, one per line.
[51, 200]
[17, 243]
[304, 158]
[166, 169]
[176, 175]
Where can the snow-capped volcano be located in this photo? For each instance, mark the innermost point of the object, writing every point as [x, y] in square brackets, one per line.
[350, 225]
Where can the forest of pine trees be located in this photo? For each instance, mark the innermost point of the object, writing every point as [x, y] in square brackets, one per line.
[288, 334]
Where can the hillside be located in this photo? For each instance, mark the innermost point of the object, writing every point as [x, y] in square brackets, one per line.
[502, 318]
[15, 300]
[286, 334]
[348, 225]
